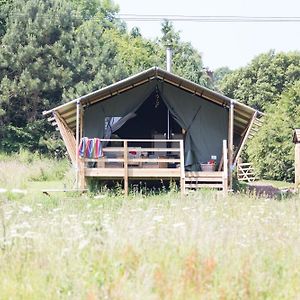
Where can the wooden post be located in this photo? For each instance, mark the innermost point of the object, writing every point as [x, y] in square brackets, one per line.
[225, 170]
[81, 176]
[126, 167]
[182, 171]
[297, 166]
[77, 142]
[230, 143]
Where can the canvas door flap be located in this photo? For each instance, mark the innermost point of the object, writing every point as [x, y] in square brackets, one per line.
[120, 105]
[206, 128]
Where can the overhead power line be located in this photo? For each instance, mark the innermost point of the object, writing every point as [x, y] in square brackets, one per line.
[207, 19]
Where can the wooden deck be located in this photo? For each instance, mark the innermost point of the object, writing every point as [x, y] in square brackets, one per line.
[147, 164]
[136, 173]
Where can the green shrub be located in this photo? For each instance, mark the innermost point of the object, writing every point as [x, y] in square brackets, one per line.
[272, 149]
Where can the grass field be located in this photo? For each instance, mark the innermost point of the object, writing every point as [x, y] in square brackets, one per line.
[103, 246]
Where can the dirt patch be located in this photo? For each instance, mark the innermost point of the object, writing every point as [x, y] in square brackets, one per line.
[267, 190]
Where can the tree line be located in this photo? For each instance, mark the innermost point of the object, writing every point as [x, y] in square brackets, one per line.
[52, 51]
[271, 84]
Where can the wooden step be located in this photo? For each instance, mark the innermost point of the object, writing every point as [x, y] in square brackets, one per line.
[203, 185]
[189, 174]
[202, 179]
[207, 179]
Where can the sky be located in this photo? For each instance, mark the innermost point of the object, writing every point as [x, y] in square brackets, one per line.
[223, 44]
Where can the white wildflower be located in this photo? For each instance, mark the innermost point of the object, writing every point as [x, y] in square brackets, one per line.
[29, 235]
[83, 244]
[177, 225]
[26, 209]
[186, 208]
[158, 218]
[99, 197]
[19, 191]
[24, 225]
[3, 190]
[89, 222]
[73, 216]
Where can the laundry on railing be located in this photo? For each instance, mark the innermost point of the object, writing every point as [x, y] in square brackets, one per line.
[90, 148]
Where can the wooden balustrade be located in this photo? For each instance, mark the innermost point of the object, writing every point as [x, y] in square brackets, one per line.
[128, 162]
[138, 162]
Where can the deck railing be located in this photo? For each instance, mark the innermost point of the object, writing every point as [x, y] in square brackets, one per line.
[126, 161]
[161, 159]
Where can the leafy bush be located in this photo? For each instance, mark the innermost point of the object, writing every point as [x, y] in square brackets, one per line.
[272, 149]
[263, 80]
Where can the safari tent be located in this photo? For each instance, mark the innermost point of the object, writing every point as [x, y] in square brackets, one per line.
[155, 125]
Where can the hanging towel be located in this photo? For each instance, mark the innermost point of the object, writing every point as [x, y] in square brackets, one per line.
[90, 148]
[97, 148]
[82, 146]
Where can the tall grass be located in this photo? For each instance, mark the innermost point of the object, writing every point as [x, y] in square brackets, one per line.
[159, 247]
[105, 246]
[17, 170]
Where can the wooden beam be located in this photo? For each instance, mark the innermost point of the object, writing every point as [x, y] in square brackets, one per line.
[68, 137]
[81, 178]
[244, 139]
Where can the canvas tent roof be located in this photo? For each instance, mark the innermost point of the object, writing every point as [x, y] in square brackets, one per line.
[242, 113]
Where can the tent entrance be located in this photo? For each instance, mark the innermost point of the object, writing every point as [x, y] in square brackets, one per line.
[150, 122]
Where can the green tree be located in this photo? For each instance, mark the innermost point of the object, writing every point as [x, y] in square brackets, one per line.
[272, 149]
[5, 7]
[218, 76]
[33, 71]
[56, 50]
[135, 32]
[49, 49]
[187, 61]
[261, 83]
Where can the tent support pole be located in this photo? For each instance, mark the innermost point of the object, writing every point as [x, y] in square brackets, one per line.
[77, 142]
[230, 143]
[169, 69]
[225, 168]
[126, 168]
[168, 125]
[182, 170]
[81, 122]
